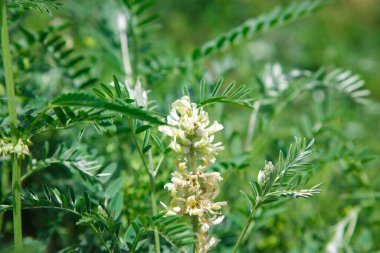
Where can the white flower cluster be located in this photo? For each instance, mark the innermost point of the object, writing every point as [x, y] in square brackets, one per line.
[189, 128]
[21, 147]
[138, 94]
[263, 175]
[193, 191]
[192, 194]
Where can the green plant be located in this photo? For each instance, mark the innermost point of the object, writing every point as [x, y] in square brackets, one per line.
[83, 107]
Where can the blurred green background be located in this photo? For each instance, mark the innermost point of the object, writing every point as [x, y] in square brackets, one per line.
[345, 34]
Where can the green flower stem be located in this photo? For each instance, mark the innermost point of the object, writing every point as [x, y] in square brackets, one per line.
[152, 178]
[16, 164]
[245, 229]
[194, 220]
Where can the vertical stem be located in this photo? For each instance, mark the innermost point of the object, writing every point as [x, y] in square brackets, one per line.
[194, 220]
[100, 237]
[242, 234]
[123, 26]
[152, 179]
[16, 164]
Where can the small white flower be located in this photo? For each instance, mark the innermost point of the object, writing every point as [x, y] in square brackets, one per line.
[21, 148]
[188, 126]
[138, 94]
[192, 194]
[263, 175]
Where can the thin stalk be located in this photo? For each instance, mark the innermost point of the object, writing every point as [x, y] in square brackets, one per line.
[194, 221]
[124, 24]
[152, 178]
[16, 164]
[100, 237]
[245, 229]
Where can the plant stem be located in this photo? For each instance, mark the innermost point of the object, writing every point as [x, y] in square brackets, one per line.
[124, 24]
[152, 178]
[194, 220]
[245, 229]
[16, 164]
[100, 237]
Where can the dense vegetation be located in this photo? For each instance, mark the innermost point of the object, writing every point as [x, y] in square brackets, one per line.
[91, 161]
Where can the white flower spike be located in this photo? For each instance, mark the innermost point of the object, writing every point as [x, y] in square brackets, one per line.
[188, 126]
[193, 191]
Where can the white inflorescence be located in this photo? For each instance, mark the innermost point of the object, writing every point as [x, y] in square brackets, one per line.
[189, 128]
[193, 190]
[20, 149]
[263, 175]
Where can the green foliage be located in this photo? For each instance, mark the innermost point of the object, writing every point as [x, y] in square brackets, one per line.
[90, 101]
[41, 5]
[177, 234]
[76, 159]
[75, 66]
[278, 16]
[285, 178]
[230, 95]
[347, 83]
[91, 135]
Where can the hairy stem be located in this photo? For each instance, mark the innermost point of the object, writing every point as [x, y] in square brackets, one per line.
[245, 229]
[16, 164]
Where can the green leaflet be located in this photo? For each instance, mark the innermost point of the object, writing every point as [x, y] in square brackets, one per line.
[274, 18]
[86, 100]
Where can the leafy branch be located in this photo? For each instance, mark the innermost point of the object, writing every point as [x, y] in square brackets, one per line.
[74, 159]
[281, 181]
[41, 5]
[278, 16]
[232, 94]
[107, 100]
[100, 220]
[175, 233]
[348, 83]
[74, 66]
